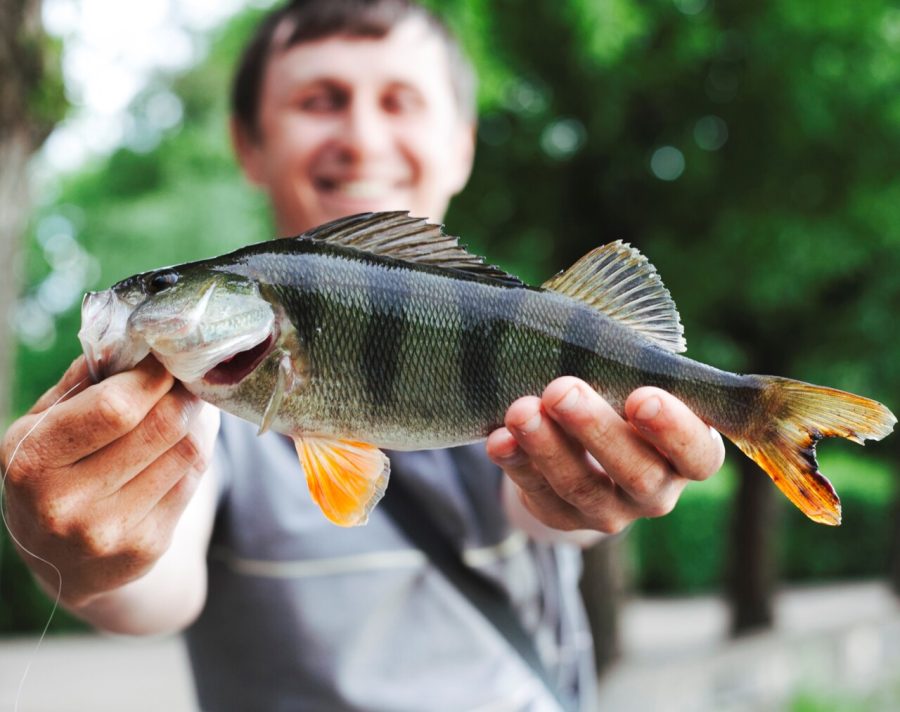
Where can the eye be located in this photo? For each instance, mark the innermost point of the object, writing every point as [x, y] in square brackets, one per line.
[322, 98]
[402, 99]
[162, 280]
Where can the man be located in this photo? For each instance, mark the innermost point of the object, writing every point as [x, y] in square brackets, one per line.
[339, 107]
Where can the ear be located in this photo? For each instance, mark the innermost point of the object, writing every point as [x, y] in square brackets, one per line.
[246, 148]
[463, 154]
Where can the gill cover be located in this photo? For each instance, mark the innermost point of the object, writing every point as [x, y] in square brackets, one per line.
[193, 320]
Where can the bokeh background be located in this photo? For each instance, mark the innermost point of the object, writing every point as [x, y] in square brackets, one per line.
[750, 149]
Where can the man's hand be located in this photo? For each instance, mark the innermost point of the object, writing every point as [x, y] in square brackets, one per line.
[100, 484]
[579, 465]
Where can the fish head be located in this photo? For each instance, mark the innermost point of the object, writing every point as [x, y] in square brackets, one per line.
[195, 319]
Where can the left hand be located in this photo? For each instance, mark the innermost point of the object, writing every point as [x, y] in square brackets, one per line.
[579, 465]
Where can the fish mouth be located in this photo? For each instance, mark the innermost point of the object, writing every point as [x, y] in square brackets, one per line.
[103, 335]
[237, 367]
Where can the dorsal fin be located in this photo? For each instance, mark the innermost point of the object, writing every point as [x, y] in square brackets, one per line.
[397, 235]
[619, 281]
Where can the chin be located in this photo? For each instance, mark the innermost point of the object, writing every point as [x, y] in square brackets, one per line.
[337, 206]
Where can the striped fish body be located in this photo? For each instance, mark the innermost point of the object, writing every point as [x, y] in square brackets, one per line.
[409, 357]
[380, 331]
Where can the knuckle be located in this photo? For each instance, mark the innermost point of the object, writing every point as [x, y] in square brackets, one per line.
[146, 548]
[554, 517]
[581, 491]
[612, 525]
[96, 541]
[660, 507]
[114, 410]
[644, 484]
[53, 516]
[599, 426]
[21, 457]
[165, 424]
[529, 481]
[20, 471]
[190, 454]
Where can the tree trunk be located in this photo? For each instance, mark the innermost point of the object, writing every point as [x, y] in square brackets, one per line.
[602, 588]
[21, 131]
[753, 565]
[14, 152]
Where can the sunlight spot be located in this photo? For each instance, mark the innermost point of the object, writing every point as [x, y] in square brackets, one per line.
[667, 163]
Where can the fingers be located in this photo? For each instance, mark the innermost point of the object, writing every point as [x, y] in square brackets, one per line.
[560, 485]
[695, 449]
[533, 490]
[100, 414]
[166, 485]
[171, 420]
[578, 463]
[643, 476]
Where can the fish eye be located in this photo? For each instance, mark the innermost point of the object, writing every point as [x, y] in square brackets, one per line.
[162, 280]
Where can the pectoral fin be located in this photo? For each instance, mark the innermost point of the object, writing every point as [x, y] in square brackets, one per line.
[345, 478]
[284, 381]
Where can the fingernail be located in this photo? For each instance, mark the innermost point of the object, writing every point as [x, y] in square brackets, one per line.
[568, 401]
[648, 410]
[532, 424]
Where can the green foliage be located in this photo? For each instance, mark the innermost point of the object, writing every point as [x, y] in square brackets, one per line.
[779, 235]
[685, 551]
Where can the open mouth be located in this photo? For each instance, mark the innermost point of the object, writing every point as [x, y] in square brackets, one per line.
[235, 368]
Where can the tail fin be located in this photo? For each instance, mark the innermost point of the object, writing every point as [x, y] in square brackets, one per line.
[803, 414]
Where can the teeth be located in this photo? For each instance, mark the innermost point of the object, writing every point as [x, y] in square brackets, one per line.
[366, 189]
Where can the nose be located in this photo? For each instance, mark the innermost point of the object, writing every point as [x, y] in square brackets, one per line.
[365, 130]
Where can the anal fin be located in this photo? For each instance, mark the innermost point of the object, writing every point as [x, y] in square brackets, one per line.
[345, 478]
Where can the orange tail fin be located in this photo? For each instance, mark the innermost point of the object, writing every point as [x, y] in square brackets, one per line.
[801, 415]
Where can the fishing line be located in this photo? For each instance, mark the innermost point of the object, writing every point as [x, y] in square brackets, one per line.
[23, 547]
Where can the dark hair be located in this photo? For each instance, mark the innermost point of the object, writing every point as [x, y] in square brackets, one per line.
[306, 20]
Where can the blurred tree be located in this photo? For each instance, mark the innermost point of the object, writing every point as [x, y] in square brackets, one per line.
[749, 149]
[30, 103]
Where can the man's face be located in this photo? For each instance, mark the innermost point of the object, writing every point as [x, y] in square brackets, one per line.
[349, 125]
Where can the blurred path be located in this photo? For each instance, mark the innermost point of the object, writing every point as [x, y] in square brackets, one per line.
[838, 639]
[677, 657]
[92, 673]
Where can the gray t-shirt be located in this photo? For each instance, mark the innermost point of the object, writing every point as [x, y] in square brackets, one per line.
[304, 615]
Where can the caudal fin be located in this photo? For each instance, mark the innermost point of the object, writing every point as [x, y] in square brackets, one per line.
[801, 415]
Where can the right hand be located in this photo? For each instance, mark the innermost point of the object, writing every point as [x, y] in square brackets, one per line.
[100, 484]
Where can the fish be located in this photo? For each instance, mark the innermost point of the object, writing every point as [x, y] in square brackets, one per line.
[379, 331]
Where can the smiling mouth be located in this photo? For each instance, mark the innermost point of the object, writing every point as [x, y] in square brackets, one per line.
[236, 368]
[360, 189]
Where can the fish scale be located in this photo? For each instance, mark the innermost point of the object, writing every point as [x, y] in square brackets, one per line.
[379, 331]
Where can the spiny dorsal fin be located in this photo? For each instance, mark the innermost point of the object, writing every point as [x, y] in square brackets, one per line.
[402, 237]
[619, 281]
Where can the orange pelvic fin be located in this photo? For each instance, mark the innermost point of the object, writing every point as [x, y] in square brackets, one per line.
[801, 415]
[345, 478]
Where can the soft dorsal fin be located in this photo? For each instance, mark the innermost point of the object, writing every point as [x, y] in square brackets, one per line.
[619, 281]
[402, 237]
